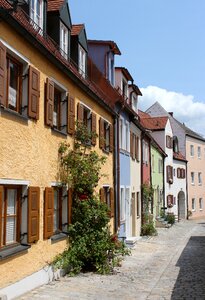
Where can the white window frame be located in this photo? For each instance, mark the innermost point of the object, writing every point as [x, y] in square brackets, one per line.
[199, 178]
[122, 204]
[38, 19]
[201, 204]
[134, 102]
[192, 150]
[192, 178]
[63, 40]
[193, 207]
[199, 152]
[81, 60]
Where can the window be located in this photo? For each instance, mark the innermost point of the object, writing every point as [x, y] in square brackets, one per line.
[14, 82]
[127, 135]
[10, 216]
[145, 152]
[124, 89]
[82, 61]
[200, 203]
[169, 142]
[134, 102]
[193, 205]
[160, 165]
[199, 178]
[199, 152]
[111, 70]
[56, 106]
[191, 150]
[107, 196]
[138, 204]
[170, 201]
[122, 204]
[134, 146]
[121, 133]
[106, 136]
[175, 144]
[36, 12]
[170, 174]
[63, 40]
[181, 173]
[192, 177]
[57, 210]
[153, 170]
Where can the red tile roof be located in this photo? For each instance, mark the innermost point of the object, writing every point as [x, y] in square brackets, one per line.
[143, 114]
[112, 45]
[179, 156]
[76, 29]
[155, 123]
[54, 5]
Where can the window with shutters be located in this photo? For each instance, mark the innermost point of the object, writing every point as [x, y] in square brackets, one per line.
[170, 174]
[169, 141]
[170, 200]
[105, 135]
[57, 210]
[56, 106]
[181, 173]
[10, 212]
[20, 83]
[107, 196]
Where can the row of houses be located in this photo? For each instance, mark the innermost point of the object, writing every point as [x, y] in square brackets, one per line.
[50, 76]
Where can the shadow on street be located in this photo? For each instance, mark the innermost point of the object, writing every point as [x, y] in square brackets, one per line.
[190, 283]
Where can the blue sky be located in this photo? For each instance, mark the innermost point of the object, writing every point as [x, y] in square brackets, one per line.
[162, 44]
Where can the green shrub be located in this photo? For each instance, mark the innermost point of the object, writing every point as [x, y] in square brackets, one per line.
[149, 229]
[170, 218]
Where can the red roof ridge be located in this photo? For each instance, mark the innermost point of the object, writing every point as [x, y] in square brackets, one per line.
[76, 29]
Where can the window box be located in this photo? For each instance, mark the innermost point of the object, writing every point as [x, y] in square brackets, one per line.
[12, 251]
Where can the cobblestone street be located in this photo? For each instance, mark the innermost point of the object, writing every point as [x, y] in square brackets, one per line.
[168, 266]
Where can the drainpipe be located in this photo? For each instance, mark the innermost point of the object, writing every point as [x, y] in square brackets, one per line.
[163, 184]
[187, 208]
[116, 172]
[142, 136]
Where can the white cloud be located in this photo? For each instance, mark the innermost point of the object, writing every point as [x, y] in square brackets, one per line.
[185, 108]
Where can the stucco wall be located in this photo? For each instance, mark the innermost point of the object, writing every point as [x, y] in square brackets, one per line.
[195, 165]
[29, 151]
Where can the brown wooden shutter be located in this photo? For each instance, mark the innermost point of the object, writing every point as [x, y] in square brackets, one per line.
[49, 104]
[3, 74]
[71, 115]
[178, 173]
[101, 134]
[131, 144]
[48, 212]
[111, 138]
[167, 169]
[33, 213]
[137, 149]
[102, 195]
[70, 202]
[93, 129]
[80, 112]
[33, 93]
[112, 204]
[1, 205]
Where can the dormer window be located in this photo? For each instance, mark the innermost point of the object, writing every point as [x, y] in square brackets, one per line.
[36, 12]
[175, 144]
[63, 40]
[134, 102]
[111, 70]
[82, 60]
[124, 89]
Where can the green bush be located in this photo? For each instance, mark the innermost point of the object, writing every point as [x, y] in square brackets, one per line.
[149, 229]
[170, 218]
[92, 247]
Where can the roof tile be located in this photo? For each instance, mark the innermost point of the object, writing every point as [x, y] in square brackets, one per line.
[54, 5]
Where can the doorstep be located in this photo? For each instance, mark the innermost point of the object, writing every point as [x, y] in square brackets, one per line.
[131, 241]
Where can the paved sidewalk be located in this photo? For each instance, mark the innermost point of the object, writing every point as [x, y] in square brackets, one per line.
[168, 266]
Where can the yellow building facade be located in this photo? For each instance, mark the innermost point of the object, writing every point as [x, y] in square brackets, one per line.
[29, 157]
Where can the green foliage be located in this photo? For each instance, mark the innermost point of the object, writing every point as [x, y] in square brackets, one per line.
[91, 245]
[170, 218]
[149, 229]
